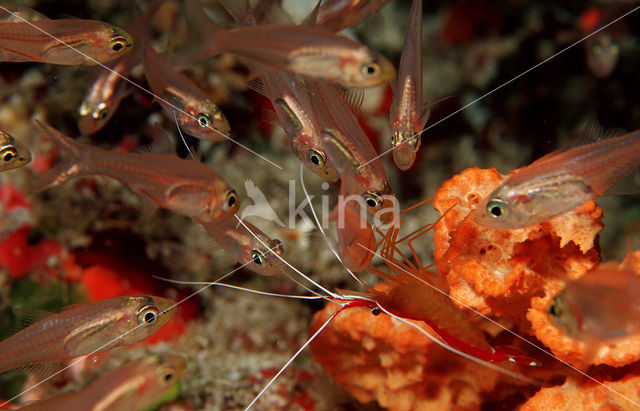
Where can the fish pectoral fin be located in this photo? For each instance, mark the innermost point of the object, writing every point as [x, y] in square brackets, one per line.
[268, 116]
[185, 199]
[149, 207]
[593, 131]
[257, 84]
[354, 98]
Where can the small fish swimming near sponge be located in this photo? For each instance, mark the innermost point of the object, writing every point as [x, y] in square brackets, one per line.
[559, 182]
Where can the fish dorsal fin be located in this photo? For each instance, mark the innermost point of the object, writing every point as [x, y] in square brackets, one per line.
[629, 184]
[354, 98]
[592, 131]
[426, 109]
[65, 16]
[165, 147]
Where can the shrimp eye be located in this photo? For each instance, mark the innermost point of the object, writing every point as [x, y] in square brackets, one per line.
[317, 158]
[497, 209]
[597, 50]
[375, 311]
[9, 154]
[204, 120]
[258, 258]
[373, 199]
[118, 43]
[148, 315]
[370, 69]
[231, 201]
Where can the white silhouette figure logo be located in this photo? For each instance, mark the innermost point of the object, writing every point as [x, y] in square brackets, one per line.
[260, 207]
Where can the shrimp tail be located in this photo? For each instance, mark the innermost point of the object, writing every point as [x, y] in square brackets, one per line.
[69, 162]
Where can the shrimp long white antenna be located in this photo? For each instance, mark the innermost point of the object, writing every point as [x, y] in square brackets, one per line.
[237, 287]
[96, 62]
[300, 273]
[570, 46]
[304, 286]
[324, 235]
[549, 353]
[181, 136]
[284, 367]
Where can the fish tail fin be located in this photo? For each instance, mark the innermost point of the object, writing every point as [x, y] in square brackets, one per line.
[202, 25]
[240, 10]
[205, 36]
[69, 163]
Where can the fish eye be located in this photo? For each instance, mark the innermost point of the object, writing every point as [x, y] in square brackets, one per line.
[231, 201]
[615, 49]
[554, 309]
[258, 258]
[9, 154]
[375, 311]
[166, 374]
[497, 209]
[373, 199]
[317, 158]
[148, 315]
[118, 43]
[414, 142]
[102, 112]
[370, 69]
[204, 120]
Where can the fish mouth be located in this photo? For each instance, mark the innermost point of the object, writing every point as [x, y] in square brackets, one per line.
[403, 158]
[387, 70]
[87, 125]
[167, 308]
[222, 126]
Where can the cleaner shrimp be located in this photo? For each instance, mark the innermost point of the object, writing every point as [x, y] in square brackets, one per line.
[376, 304]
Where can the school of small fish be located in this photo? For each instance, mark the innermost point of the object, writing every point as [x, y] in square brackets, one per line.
[314, 78]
